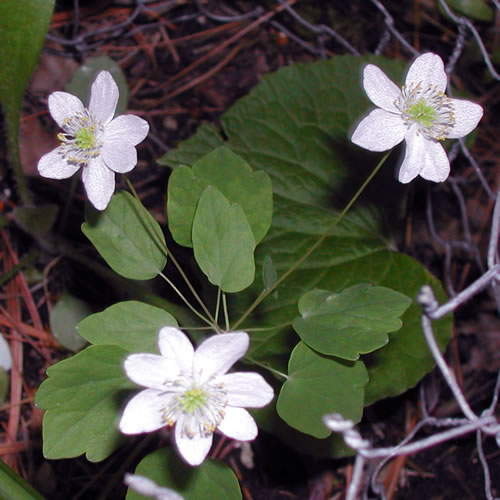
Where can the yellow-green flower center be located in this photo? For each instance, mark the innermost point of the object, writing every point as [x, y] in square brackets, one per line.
[193, 399]
[85, 138]
[428, 108]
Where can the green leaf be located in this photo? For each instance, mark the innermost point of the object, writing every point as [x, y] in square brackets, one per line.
[14, 486]
[36, 220]
[269, 274]
[83, 397]
[85, 75]
[351, 323]
[23, 25]
[322, 385]
[212, 480]
[131, 325]
[295, 125]
[128, 237]
[223, 242]
[233, 177]
[479, 10]
[67, 313]
[4, 385]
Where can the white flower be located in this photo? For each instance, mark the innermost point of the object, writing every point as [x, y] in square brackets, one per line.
[5, 355]
[148, 488]
[93, 140]
[191, 390]
[419, 113]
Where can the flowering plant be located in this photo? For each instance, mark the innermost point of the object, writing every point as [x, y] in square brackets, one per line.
[93, 140]
[419, 113]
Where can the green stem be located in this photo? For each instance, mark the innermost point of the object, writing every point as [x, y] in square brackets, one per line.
[176, 264]
[266, 367]
[226, 313]
[314, 246]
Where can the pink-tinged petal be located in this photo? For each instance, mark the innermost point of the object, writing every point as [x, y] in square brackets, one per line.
[379, 131]
[99, 183]
[467, 116]
[427, 69]
[218, 353]
[238, 424]
[143, 413]
[436, 164]
[119, 155]
[149, 370]
[54, 166]
[104, 96]
[413, 161]
[63, 105]
[194, 450]
[246, 389]
[130, 128]
[380, 89]
[176, 348]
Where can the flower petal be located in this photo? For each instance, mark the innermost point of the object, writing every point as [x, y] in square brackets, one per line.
[99, 183]
[63, 105]
[436, 166]
[149, 370]
[428, 69]
[104, 96]
[176, 348]
[380, 89]
[54, 166]
[5, 354]
[467, 116]
[148, 488]
[130, 128]
[195, 449]
[379, 131]
[119, 155]
[218, 353]
[247, 389]
[143, 413]
[238, 424]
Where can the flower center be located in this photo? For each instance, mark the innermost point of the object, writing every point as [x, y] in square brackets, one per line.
[81, 141]
[429, 109]
[198, 408]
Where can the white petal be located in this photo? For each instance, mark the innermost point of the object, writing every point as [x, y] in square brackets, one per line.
[247, 389]
[436, 166]
[63, 105]
[381, 90]
[218, 353]
[467, 116]
[54, 166]
[5, 355]
[149, 370]
[99, 183]
[104, 96]
[195, 449]
[143, 413]
[130, 128]
[148, 488]
[176, 348]
[379, 131]
[428, 69]
[238, 424]
[119, 155]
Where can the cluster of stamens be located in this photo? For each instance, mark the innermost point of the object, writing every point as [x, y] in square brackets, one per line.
[80, 142]
[430, 109]
[201, 405]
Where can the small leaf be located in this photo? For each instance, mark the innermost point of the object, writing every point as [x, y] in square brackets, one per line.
[233, 177]
[36, 220]
[85, 75]
[223, 242]
[128, 237]
[478, 10]
[132, 325]
[67, 313]
[83, 397]
[269, 274]
[14, 486]
[212, 480]
[322, 385]
[351, 323]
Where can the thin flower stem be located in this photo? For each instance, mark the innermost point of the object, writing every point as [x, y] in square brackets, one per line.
[314, 246]
[170, 255]
[217, 305]
[179, 293]
[266, 367]
[226, 313]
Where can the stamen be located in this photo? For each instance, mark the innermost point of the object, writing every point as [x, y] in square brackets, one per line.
[431, 110]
